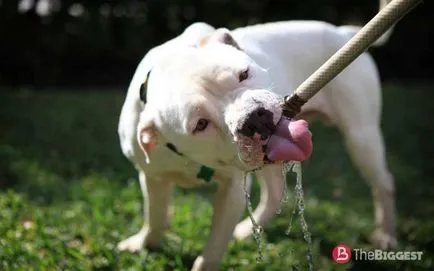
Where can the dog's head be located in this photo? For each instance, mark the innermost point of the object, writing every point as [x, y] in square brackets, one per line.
[214, 104]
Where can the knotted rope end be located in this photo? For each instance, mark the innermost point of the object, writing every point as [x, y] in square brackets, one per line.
[291, 105]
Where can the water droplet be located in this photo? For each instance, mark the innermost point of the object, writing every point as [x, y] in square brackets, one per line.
[299, 209]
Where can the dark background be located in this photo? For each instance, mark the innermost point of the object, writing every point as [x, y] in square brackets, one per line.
[68, 195]
[104, 43]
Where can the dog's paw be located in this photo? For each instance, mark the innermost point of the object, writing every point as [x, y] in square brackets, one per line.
[383, 240]
[144, 238]
[133, 243]
[200, 264]
[243, 230]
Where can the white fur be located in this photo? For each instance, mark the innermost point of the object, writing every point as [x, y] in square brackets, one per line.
[285, 53]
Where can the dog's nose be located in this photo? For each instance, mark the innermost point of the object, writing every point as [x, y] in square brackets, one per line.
[259, 121]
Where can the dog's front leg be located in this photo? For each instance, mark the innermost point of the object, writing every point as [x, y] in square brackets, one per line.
[228, 208]
[157, 196]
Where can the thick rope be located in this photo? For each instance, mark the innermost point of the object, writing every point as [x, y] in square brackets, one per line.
[359, 43]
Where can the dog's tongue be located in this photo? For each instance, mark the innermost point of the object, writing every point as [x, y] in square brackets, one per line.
[292, 141]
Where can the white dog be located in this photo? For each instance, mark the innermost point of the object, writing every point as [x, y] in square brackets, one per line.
[205, 105]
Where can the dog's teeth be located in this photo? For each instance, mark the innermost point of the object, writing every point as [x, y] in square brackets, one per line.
[266, 160]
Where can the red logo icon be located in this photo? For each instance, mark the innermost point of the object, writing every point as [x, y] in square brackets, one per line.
[341, 253]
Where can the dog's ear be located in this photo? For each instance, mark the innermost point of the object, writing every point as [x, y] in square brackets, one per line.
[221, 35]
[146, 134]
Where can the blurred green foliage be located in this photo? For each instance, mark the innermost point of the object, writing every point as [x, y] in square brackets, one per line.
[68, 195]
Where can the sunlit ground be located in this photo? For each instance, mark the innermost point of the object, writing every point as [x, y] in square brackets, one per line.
[67, 195]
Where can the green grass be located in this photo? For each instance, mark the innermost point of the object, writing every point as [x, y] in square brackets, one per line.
[67, 195]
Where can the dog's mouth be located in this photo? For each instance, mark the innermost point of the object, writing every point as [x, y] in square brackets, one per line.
[287, 141]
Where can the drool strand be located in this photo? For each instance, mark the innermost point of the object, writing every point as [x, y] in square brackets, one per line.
[257, 229]
[299, 208]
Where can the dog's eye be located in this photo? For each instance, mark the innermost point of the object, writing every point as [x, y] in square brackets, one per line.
[201, 125]
[243, 75]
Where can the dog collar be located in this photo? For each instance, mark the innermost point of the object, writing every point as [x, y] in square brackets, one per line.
[205, 173]
[144, 88]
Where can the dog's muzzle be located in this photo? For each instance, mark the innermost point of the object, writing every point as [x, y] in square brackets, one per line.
[261, 141]
[258, 123]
